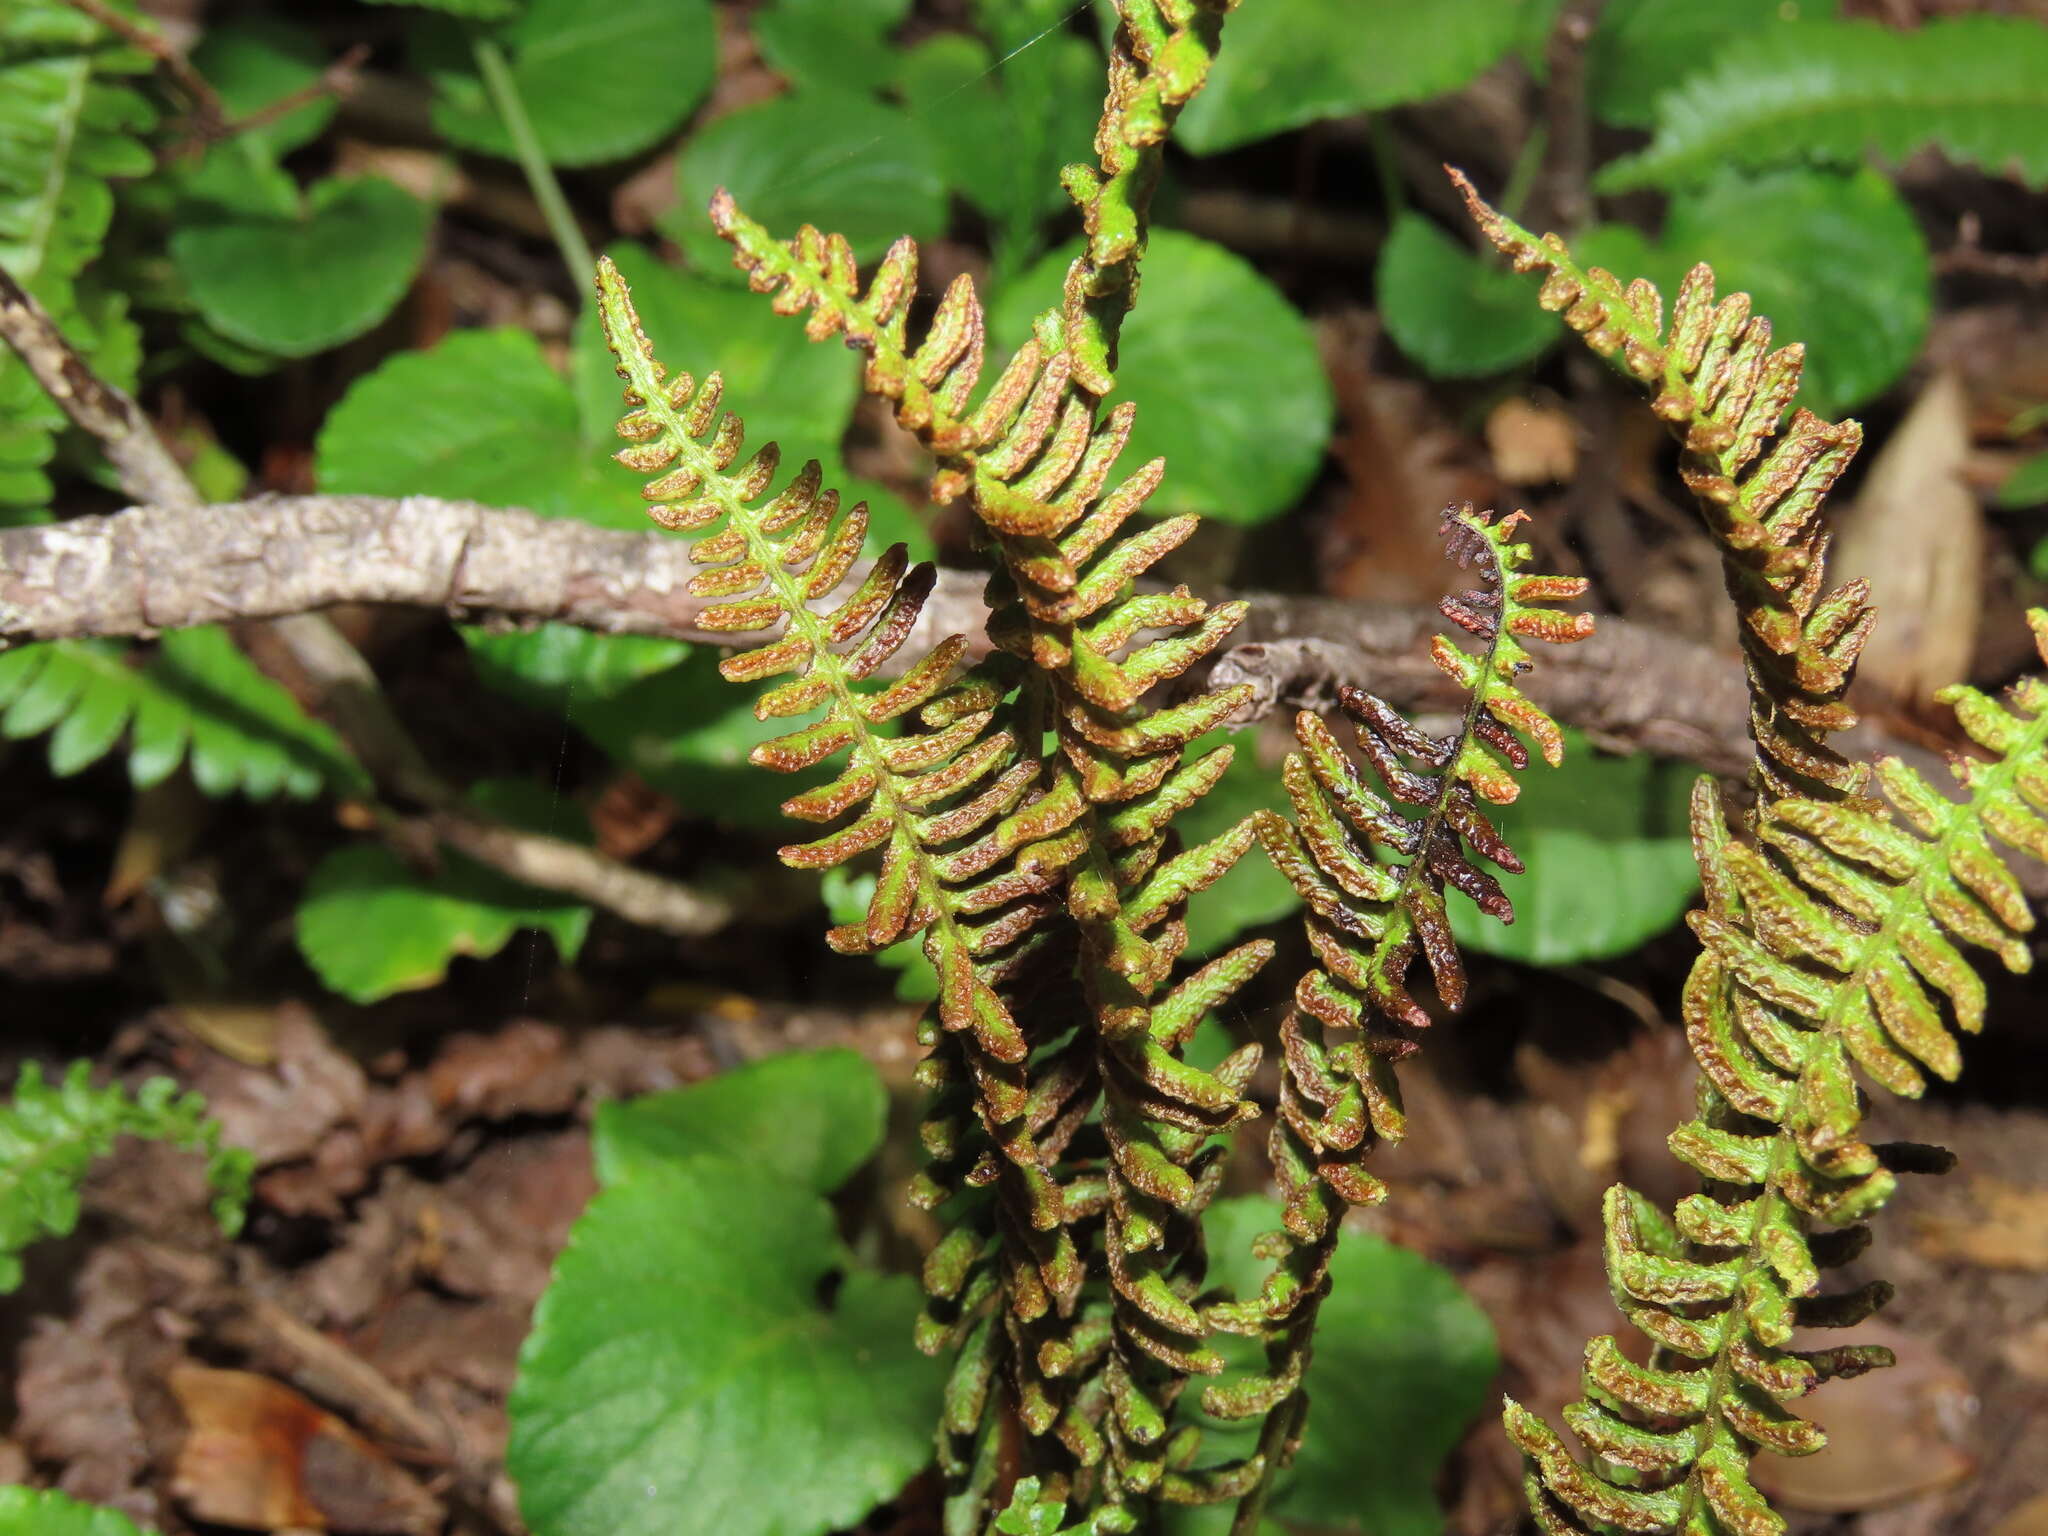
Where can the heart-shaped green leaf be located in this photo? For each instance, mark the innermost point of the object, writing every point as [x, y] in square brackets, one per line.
[829, 158]
[1453, 312]
[298, 284]
[33, 1512]
[1284, 66]
[598, 82]
[759, 1408]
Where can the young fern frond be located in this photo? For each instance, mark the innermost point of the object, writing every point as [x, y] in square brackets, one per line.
[1759, 479]
[1830, 947]
[52, 1133]
[1373, 880]
[971, 847]
[1037, 458]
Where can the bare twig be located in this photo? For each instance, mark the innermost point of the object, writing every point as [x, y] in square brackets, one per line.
[337, 79]
[349, 690]
[154, 568]
[208, 111]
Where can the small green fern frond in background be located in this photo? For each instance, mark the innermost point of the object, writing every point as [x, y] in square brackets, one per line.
[1831, 947]
[1975, 87]
[1760, 482]
[69, 123]
[1373, 881]
[52, 1133]
[198, 699]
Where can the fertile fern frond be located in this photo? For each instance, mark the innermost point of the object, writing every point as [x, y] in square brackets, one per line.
[1760, 482]
[974, 840]
[1831, 946]
[1976, 87]
[69, 123]
[1038, 459]
[1373, 881]
[197, 700]
[52, 1133]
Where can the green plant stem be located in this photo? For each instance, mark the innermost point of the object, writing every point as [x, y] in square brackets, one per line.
[540, 176]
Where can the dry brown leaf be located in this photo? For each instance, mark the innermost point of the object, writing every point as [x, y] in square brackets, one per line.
[2011, 1232]
[1892, 1435]
[259, 1456]
[1403, 465]
[1916, 533]
[2030, 1519]
[1532, 444]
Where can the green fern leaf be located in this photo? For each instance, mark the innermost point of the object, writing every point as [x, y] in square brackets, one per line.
[1976, 87]
[198, 699]
[52, 1133]
[1831, 951]
[69, 124]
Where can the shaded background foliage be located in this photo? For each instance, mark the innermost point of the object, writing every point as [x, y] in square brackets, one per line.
[366, 292]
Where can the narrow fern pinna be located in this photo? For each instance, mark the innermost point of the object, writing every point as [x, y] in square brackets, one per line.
[1829, 946]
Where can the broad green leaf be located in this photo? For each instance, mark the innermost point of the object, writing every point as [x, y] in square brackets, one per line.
[1284, 66]
[846, 901]
[826, 157]
[810, 1117]
[1224, 372]
[369, 926]
[1608, 854]
[2026, 486]
[1404, 1362]
[253, 62]
[685, 1376]
[45, 1512]
[1836, 261]
[830, 44]
[474, 10]
[1454, 312]
[1641, 49]
[1253, 892]
[599, 82]
[557, 666]
[1976, 87]
[298, 284]
[199, 700]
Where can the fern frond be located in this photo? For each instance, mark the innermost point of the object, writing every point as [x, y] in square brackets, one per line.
[1038, 460]
[974, 839]
[69, 124]
[52, 1133]
[199, 699]
[1976, 87]
[1373, 879]
[1832, 946]
[1716, 381]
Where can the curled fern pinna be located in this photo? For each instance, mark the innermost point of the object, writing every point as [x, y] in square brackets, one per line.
[1829, 945]
[1372, 878]
[1037, 458]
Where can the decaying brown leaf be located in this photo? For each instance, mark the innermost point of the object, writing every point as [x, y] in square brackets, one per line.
[1916, 533]
[258, 1456]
